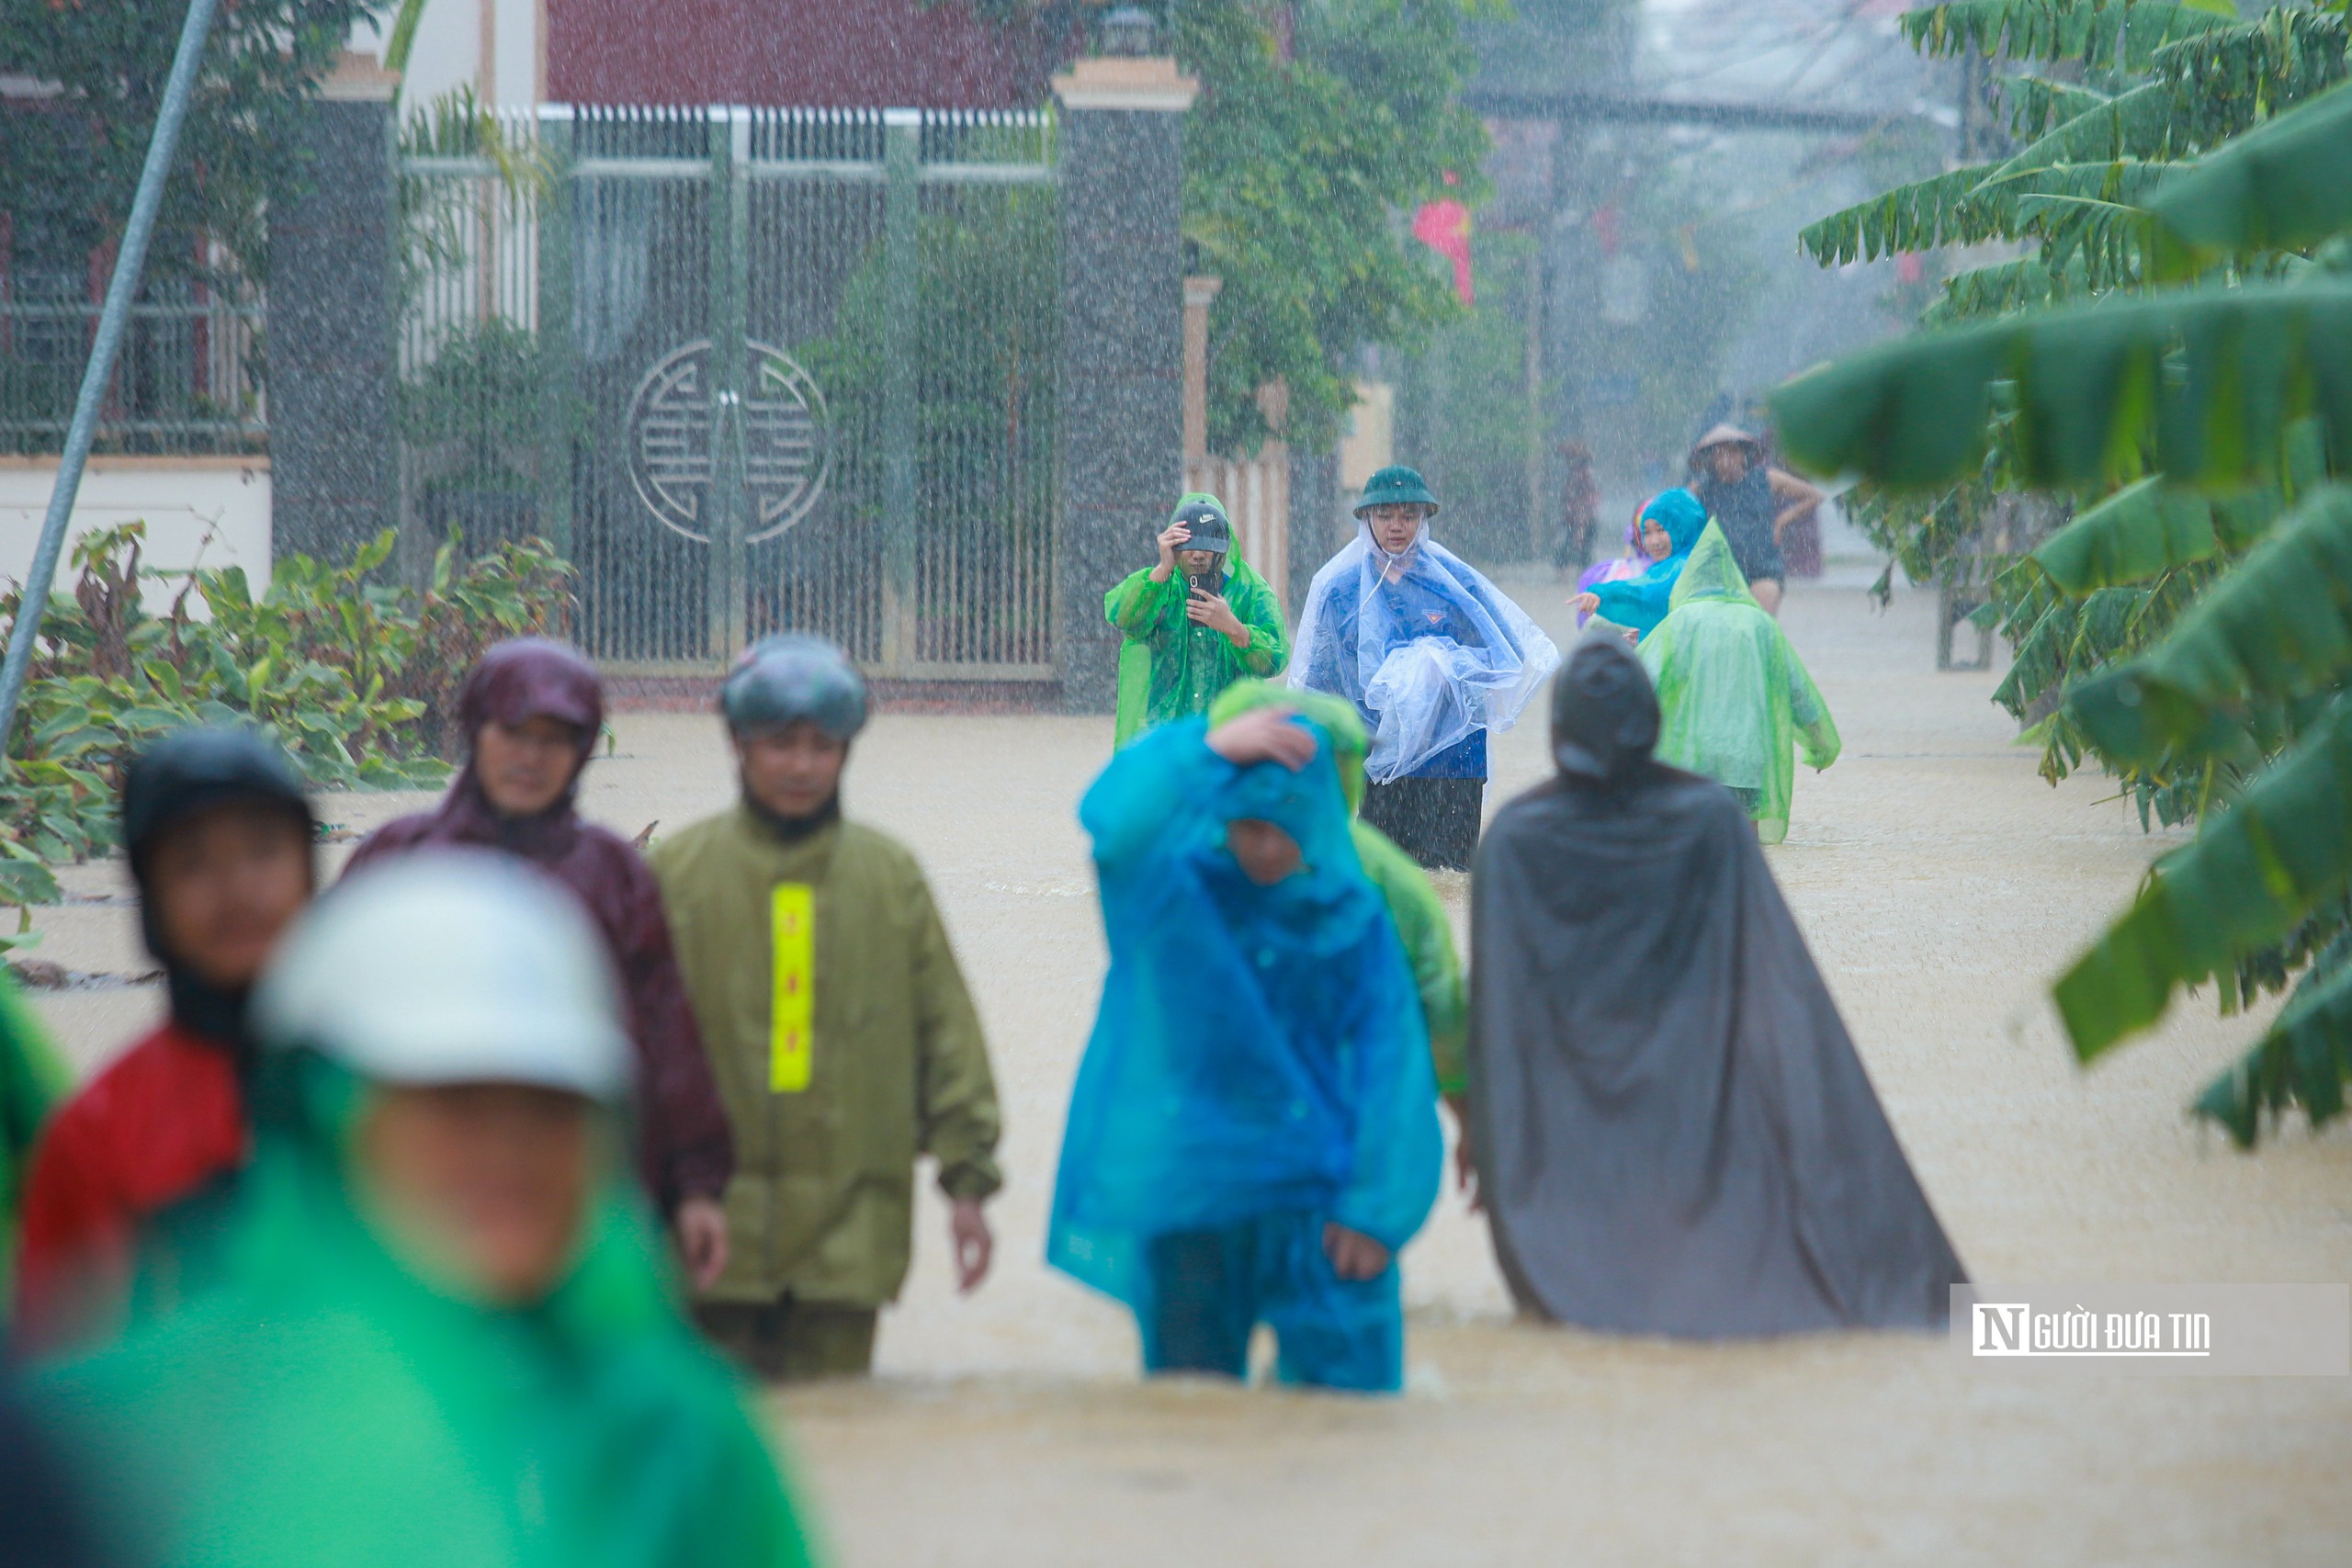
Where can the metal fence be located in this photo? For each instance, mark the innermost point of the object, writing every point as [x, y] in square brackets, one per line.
[189, 380]
[753, 370]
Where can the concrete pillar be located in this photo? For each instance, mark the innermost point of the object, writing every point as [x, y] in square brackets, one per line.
[332, 317]
[1123, 350]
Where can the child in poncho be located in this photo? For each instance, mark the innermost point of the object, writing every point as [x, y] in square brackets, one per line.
[1737, 701]
[1254, 1136]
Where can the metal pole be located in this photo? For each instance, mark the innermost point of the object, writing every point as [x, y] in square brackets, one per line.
[129, 263]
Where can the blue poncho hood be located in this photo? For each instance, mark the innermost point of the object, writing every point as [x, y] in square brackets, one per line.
[1258, 1049]
[1640, 603]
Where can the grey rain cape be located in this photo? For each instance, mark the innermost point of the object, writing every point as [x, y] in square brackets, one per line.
[1673, 1132]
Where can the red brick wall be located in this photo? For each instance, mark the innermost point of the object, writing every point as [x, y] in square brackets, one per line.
[828, 53]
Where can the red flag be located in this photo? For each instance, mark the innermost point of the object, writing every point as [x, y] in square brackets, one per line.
[1444, 227]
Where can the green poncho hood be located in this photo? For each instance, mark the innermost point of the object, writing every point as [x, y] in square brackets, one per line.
[1735, 700]
[1712, 573]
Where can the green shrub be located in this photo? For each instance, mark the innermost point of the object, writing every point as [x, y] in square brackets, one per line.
[356, 678]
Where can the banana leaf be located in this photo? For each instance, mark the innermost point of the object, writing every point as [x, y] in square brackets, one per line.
[2135, 534]
[2199, 384]
[2099, 30]
[2278, 627]
[2303, 1059]
[2250, 876]
[2146, 529]
[2285, 184]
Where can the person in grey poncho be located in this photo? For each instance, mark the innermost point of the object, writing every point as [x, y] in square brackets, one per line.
[1674, 1133]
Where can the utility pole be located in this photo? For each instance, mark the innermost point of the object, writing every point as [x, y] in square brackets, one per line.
[129, 266]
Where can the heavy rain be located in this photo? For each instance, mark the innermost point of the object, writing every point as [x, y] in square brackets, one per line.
[1289, 782]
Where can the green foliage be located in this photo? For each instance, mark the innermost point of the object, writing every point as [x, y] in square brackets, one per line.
[2286, 187]
[2174, 363]
[67, 169]
[356, 678]
[2199, 384]
[1301, 174]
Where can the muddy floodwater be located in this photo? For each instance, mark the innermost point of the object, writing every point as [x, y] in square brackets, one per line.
[1942, 884]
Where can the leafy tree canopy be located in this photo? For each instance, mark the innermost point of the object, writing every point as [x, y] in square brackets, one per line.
[1322, 125]
[69, 161]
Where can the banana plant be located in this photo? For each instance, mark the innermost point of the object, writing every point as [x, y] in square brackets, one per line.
[2194, 620]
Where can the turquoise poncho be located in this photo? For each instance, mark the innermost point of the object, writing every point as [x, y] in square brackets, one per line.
[1258, 1049]
[1640, 603]
[1735, 700]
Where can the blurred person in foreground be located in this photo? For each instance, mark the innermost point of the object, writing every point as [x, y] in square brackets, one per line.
[1735, 702]
[1413, 904]
[1193, 623]
[1253, 1135]
[1756, 503]
[444, 1332]
[219, 837]
[531, 711]
[844, 1041]
[1670, 523]
[1674, 1133]
[32, 1082]
[1431, 655]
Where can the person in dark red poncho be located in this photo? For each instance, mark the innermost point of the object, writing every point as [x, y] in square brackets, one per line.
[532, 711]
[219, 837]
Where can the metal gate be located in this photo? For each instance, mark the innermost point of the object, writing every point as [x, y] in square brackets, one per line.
[752, 369]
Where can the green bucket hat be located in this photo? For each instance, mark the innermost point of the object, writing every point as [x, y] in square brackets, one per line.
[1396, 486]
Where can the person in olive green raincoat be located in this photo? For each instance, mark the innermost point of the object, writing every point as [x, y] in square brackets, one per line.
[1196, 621]
[444, 1329]
[838, 1026]
[1412, 901]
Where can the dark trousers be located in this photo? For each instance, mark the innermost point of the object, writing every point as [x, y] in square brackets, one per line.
[790, 1340]
[1433, 821]
[1210, 1288]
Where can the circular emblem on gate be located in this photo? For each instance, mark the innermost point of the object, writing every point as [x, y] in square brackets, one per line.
[678, 426]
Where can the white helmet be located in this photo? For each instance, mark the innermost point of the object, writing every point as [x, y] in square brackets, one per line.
[451, 967]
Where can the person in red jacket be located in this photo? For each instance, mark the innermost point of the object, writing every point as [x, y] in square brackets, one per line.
[531, 711]
[219, 836]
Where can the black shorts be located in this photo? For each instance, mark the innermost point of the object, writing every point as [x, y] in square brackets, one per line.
[1757, 558]
[1433, 821]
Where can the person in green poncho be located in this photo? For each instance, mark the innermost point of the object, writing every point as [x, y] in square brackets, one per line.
[1196, 621]
[838, 1025]
[1412, 901]
[31, 1083]
[1735, 701]
[444, 1328]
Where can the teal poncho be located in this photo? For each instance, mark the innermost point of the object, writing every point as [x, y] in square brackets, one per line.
[1735, 701]
[1170, 666]
[1639, 604]
[320, 1402]
[1258, 1049]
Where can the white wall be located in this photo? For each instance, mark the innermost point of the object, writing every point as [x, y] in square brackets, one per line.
[199, 511]
[447, 53]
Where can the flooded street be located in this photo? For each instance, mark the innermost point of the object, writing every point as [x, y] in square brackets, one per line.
[1942, 884]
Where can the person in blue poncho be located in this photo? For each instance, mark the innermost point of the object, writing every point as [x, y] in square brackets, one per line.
[1432, 655]
[1640, 603]
[1254, 1136]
